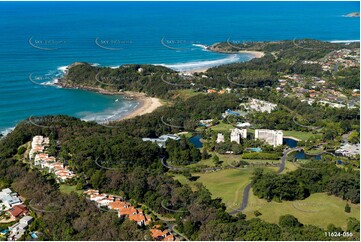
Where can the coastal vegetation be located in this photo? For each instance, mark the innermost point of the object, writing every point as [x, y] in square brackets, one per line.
[113, 158]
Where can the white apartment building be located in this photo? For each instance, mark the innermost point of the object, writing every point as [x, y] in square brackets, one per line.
[271, 137]
[238, 134]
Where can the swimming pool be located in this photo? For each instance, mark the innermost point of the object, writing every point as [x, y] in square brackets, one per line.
[254, 149]
[34, 235]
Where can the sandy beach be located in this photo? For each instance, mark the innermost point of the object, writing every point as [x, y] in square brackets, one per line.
[196, 71]
[146, 105]
[256, 54]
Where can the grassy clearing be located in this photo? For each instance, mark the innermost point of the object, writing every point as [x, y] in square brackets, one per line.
[227, 184]
[64, 188]
[222, 127]
[300, 135]
[184, 93]
[314, 151]
[319, 209]
[208, 162]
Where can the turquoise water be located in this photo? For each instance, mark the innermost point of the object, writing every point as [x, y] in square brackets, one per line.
[33, 235]
[254, 149]
[40, 38]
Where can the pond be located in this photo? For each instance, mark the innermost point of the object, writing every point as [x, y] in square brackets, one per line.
[290, 142]
[302, 155]
[196, 140]
[299, 154]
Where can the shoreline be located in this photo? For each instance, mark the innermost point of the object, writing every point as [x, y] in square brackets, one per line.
[145, 105]
[253, 53]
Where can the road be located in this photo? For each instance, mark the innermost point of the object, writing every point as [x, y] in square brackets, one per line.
[283, 160]
[249, 186]
[244, 199]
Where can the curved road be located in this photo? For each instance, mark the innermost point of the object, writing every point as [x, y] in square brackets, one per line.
[244, 200]
[249, 186]
[305, 126]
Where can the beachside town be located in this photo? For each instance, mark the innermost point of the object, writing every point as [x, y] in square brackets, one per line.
[125, 210]
[13, 211]
[313, 89]
[42, 159]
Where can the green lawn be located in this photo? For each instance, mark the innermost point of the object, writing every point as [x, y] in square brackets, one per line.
[318, 209]
[181, 179]
[64, 188]
[226, 158]
[185, 93]
[314, 151]
[227, 184]
[186, 134]
[208, 162]
[222, 127]
[300, 135]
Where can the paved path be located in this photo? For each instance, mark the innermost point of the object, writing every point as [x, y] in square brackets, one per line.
[249, 186]
[244, 200]
[283, 160]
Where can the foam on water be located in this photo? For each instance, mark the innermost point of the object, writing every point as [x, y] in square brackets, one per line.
[63, 68]
[344, 41]
[196, 65]
[110, 114]
[203, 47]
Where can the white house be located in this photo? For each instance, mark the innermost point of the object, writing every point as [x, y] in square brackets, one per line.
[220, 138]
[17, 230]
[243, 125]
[8, 198]
[162, 140]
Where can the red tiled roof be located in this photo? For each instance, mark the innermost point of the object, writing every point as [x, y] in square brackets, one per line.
[118, 205]
[127, 211]
[137, 217]
[165, 235]
[18, 210]
[169, 238]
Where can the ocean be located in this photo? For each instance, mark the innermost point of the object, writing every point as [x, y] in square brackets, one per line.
[39, 39]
